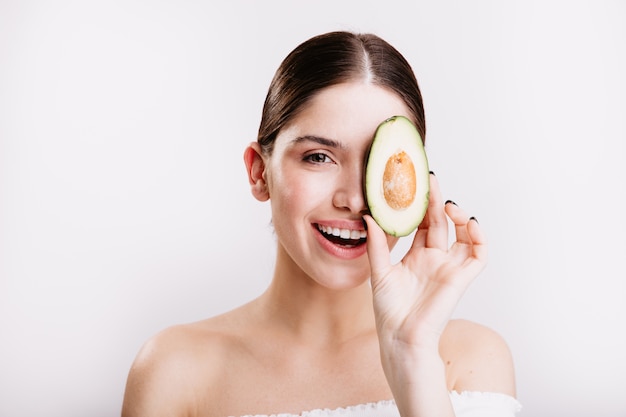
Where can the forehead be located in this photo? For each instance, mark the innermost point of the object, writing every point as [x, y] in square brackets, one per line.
[347, 112]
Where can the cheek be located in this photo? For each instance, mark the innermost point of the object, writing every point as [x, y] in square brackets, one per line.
[294, 192]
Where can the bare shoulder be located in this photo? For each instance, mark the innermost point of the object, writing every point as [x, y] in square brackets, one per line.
[176, 367]
[477, 358]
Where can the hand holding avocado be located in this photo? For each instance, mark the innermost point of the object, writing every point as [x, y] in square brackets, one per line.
[415, 298]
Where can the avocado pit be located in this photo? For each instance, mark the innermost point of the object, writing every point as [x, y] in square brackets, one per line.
[399, 181]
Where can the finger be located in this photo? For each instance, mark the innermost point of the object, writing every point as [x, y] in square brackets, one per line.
[460, 219]
[477, 259]
[433, 232]
[377, 249]
[478, 239]
[473, 250]
[472, 256]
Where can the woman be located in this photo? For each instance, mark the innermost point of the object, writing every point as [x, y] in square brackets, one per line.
[339, 329]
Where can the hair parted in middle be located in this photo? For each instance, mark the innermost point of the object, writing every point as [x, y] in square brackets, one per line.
[333, 58]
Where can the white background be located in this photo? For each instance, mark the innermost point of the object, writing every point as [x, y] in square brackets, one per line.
[125, 207]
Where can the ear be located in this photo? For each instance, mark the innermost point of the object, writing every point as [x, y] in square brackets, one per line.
[255, 165]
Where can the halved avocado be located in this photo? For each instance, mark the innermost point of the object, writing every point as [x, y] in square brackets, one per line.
[397, 177]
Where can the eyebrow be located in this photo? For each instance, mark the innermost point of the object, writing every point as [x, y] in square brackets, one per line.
[322, 141]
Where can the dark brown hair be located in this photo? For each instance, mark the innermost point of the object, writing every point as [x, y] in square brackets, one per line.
[331, 59]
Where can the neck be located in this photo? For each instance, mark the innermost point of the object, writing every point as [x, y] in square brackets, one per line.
[314, 313]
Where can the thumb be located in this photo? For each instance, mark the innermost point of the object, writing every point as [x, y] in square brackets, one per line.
[377, 249]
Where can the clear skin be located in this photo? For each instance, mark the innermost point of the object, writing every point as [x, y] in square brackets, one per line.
[338, 325]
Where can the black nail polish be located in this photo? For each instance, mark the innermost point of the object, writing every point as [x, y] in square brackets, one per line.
[431, 173]
[474, 218]
[451, 202]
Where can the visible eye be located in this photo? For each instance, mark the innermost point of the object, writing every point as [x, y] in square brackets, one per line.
[318, 158]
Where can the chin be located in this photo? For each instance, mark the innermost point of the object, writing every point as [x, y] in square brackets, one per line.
[344, 280]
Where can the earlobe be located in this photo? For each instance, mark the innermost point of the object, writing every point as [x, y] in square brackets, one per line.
[255, 166]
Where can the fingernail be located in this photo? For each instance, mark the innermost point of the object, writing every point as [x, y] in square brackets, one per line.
[432, 173]
[474, 218]
[451, 202]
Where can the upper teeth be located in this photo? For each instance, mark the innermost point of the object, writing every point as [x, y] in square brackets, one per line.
[343, 233]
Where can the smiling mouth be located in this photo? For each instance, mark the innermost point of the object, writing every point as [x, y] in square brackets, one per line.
[344, 237]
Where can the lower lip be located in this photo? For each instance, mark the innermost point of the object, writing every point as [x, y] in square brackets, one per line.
[339, 251]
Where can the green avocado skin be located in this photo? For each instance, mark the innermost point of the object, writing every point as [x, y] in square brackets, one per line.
[396, 134]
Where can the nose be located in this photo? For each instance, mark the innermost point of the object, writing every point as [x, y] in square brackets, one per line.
[349, 193]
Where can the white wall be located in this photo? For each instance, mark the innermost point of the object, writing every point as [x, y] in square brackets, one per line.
[125, 209]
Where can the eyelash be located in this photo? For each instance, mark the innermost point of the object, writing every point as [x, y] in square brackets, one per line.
[314, 158]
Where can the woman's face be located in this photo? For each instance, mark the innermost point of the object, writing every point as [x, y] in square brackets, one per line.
[315, 181]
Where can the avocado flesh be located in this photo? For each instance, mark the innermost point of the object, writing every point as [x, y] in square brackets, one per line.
[397, 177]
